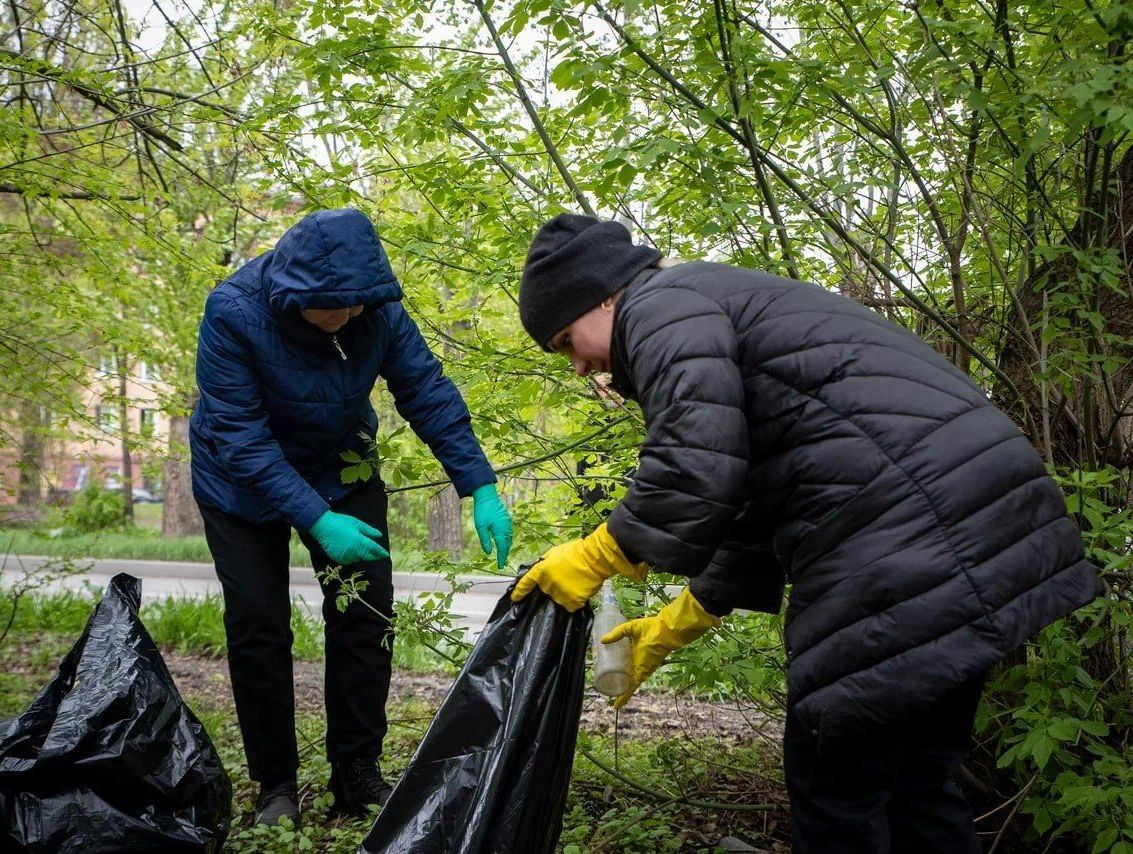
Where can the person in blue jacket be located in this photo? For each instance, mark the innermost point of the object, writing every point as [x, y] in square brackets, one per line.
[290, 348]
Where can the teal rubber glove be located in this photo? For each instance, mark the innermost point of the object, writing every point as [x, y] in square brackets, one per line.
[493, 523]
[347, 540]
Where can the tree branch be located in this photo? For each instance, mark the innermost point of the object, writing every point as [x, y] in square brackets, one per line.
[540, 129]
[558, 452]
[78, 194]
[830, 220]
[750, 145]
[60, 75]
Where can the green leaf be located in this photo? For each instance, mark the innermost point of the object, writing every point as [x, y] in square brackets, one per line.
[1096, 728]
[1065, 729]
[707, 115]
[1105, 840]
[1043, 749]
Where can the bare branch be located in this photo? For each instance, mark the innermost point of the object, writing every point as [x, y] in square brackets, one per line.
[73, 194]
[540, 129]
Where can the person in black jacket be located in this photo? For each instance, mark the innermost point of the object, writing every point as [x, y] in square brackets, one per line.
[794, 435]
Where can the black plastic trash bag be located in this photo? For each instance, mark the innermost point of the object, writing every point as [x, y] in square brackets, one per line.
[492, 772]
[108, 757]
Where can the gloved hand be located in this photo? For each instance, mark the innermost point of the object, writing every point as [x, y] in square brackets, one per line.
[492, 522]
[680, 622]
[572, 572]
[347, 540]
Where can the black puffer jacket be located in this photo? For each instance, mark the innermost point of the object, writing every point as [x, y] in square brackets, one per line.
[791, 430]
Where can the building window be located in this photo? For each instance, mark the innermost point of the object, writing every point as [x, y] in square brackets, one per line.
[148, 422]
[106, 417]
[106, 364]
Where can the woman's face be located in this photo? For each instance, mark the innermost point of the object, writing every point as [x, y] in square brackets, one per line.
[330, 320]
[586, 342]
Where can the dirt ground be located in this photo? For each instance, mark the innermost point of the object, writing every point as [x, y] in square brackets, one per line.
[653, 714]
[650, 715]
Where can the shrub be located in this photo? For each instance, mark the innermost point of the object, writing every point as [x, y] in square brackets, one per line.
[95, 509]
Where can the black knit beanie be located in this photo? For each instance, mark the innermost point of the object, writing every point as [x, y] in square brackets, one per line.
[573, 264]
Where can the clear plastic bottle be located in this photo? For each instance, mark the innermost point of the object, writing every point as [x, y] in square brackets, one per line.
[611, 661]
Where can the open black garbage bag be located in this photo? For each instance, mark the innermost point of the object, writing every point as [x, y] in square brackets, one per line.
[108, 757]
[492, 772]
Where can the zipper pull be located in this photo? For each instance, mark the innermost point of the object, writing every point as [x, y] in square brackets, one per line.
[337, 346]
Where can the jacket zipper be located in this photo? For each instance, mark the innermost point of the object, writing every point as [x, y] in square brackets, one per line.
[337, 346]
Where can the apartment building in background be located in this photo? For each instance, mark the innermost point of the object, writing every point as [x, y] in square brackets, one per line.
[90, 449]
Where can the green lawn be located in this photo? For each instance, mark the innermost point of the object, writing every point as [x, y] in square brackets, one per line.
[144, 542]
[148, 516]
[58, 534]
[139, 543]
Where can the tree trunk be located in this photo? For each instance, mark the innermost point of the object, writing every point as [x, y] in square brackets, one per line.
[180, 516]
[1104, 406]
[121, 363]
[30, 489]
[445, 529]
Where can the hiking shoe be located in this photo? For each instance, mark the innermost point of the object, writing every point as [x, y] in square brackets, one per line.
[277, 801]
[356, 784]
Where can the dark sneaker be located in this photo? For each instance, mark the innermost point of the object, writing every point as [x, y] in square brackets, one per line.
[731, 843]
[356, 784]
[278, 801]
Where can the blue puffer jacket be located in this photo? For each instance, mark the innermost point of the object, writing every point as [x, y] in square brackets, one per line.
[281, 401]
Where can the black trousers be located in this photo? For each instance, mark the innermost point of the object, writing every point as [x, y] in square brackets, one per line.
[252, 565]
[892, 791]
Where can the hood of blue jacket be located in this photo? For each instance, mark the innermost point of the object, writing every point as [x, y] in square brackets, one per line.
[330, 259]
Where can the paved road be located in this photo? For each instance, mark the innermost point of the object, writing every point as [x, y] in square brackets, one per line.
[161, 579]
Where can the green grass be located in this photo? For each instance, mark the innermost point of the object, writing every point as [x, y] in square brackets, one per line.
[146, 543]
[193, 626]
[138, 543]
[27, 668]
[148, 516]
[36, 615]
[197, 626]
[655, 798]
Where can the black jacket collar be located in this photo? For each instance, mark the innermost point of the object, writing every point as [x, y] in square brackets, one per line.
[621, 379]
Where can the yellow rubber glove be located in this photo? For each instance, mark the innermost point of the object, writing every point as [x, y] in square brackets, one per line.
[572, 572]
[680, 622]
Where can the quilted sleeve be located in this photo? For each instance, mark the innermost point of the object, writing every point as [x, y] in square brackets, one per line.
[236, 421]
[692, 469]
[744, 572]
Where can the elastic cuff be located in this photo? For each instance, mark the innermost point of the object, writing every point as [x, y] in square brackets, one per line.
[616, 557]
[711, 599]
[634, 571]
[483, 490]
[689, 613]
[466, 483]
[311, 513]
